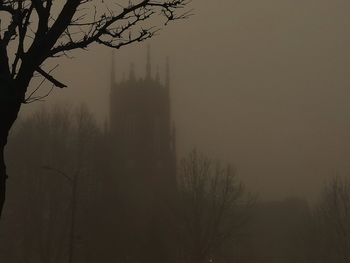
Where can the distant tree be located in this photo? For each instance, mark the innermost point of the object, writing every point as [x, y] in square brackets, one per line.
[34, 31]
[330, 225]
[213, 208]
[51, 149]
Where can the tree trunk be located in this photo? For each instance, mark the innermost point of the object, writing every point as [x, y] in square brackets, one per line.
[10, 105]
[3, 175]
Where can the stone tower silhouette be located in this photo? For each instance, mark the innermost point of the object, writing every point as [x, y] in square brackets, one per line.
[142, 133]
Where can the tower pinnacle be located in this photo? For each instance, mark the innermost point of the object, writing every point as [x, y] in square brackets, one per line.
[112, 70]
[167, 72]
[132, 71]
[148, 65]
[157, 74]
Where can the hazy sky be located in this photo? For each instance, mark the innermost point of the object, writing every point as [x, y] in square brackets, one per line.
[263, 84]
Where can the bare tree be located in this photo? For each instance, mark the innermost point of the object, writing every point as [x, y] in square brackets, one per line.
[52, 155]
[34, 31]
[41, 139]
[331, 223]
[213, 208]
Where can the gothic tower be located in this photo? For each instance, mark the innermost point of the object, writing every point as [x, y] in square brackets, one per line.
[144, 162]
[142, 132]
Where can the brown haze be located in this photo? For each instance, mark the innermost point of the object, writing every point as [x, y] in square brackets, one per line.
[262, 84]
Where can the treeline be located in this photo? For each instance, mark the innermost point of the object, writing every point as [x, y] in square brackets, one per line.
[49, 150]
[65, 205]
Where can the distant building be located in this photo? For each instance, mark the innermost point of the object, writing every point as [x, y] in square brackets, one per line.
[142, 147]
[141, 130]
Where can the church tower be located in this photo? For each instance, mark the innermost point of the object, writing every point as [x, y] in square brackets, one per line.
[142, 132]
[143, 162]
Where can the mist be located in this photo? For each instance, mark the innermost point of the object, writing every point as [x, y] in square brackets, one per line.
[257, 89]
[261, 84]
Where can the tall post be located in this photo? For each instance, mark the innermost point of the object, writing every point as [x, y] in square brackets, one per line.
[73, 213]
[74, 184]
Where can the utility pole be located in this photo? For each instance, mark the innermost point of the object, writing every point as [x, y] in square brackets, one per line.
[72, 224]
[74, 184]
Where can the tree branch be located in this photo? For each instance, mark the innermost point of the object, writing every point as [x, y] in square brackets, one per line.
[51, 78]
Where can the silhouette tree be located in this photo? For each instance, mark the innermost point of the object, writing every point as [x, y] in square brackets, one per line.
[213, 209]
[330, 228]
[51, 154]
[33, 31]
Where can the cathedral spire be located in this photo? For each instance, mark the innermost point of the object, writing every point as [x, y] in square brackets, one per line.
[112, 70]
[157, 74]
[148, 65]
[132, 71]
[167, 73]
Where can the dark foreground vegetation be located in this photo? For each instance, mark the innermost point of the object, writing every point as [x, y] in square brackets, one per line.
[67, 203]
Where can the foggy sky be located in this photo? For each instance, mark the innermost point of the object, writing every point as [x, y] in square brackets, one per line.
[263, 84]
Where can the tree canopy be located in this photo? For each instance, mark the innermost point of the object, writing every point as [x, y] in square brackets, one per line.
[34, 30]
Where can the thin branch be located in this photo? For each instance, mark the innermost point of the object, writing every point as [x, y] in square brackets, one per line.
[51, 78]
